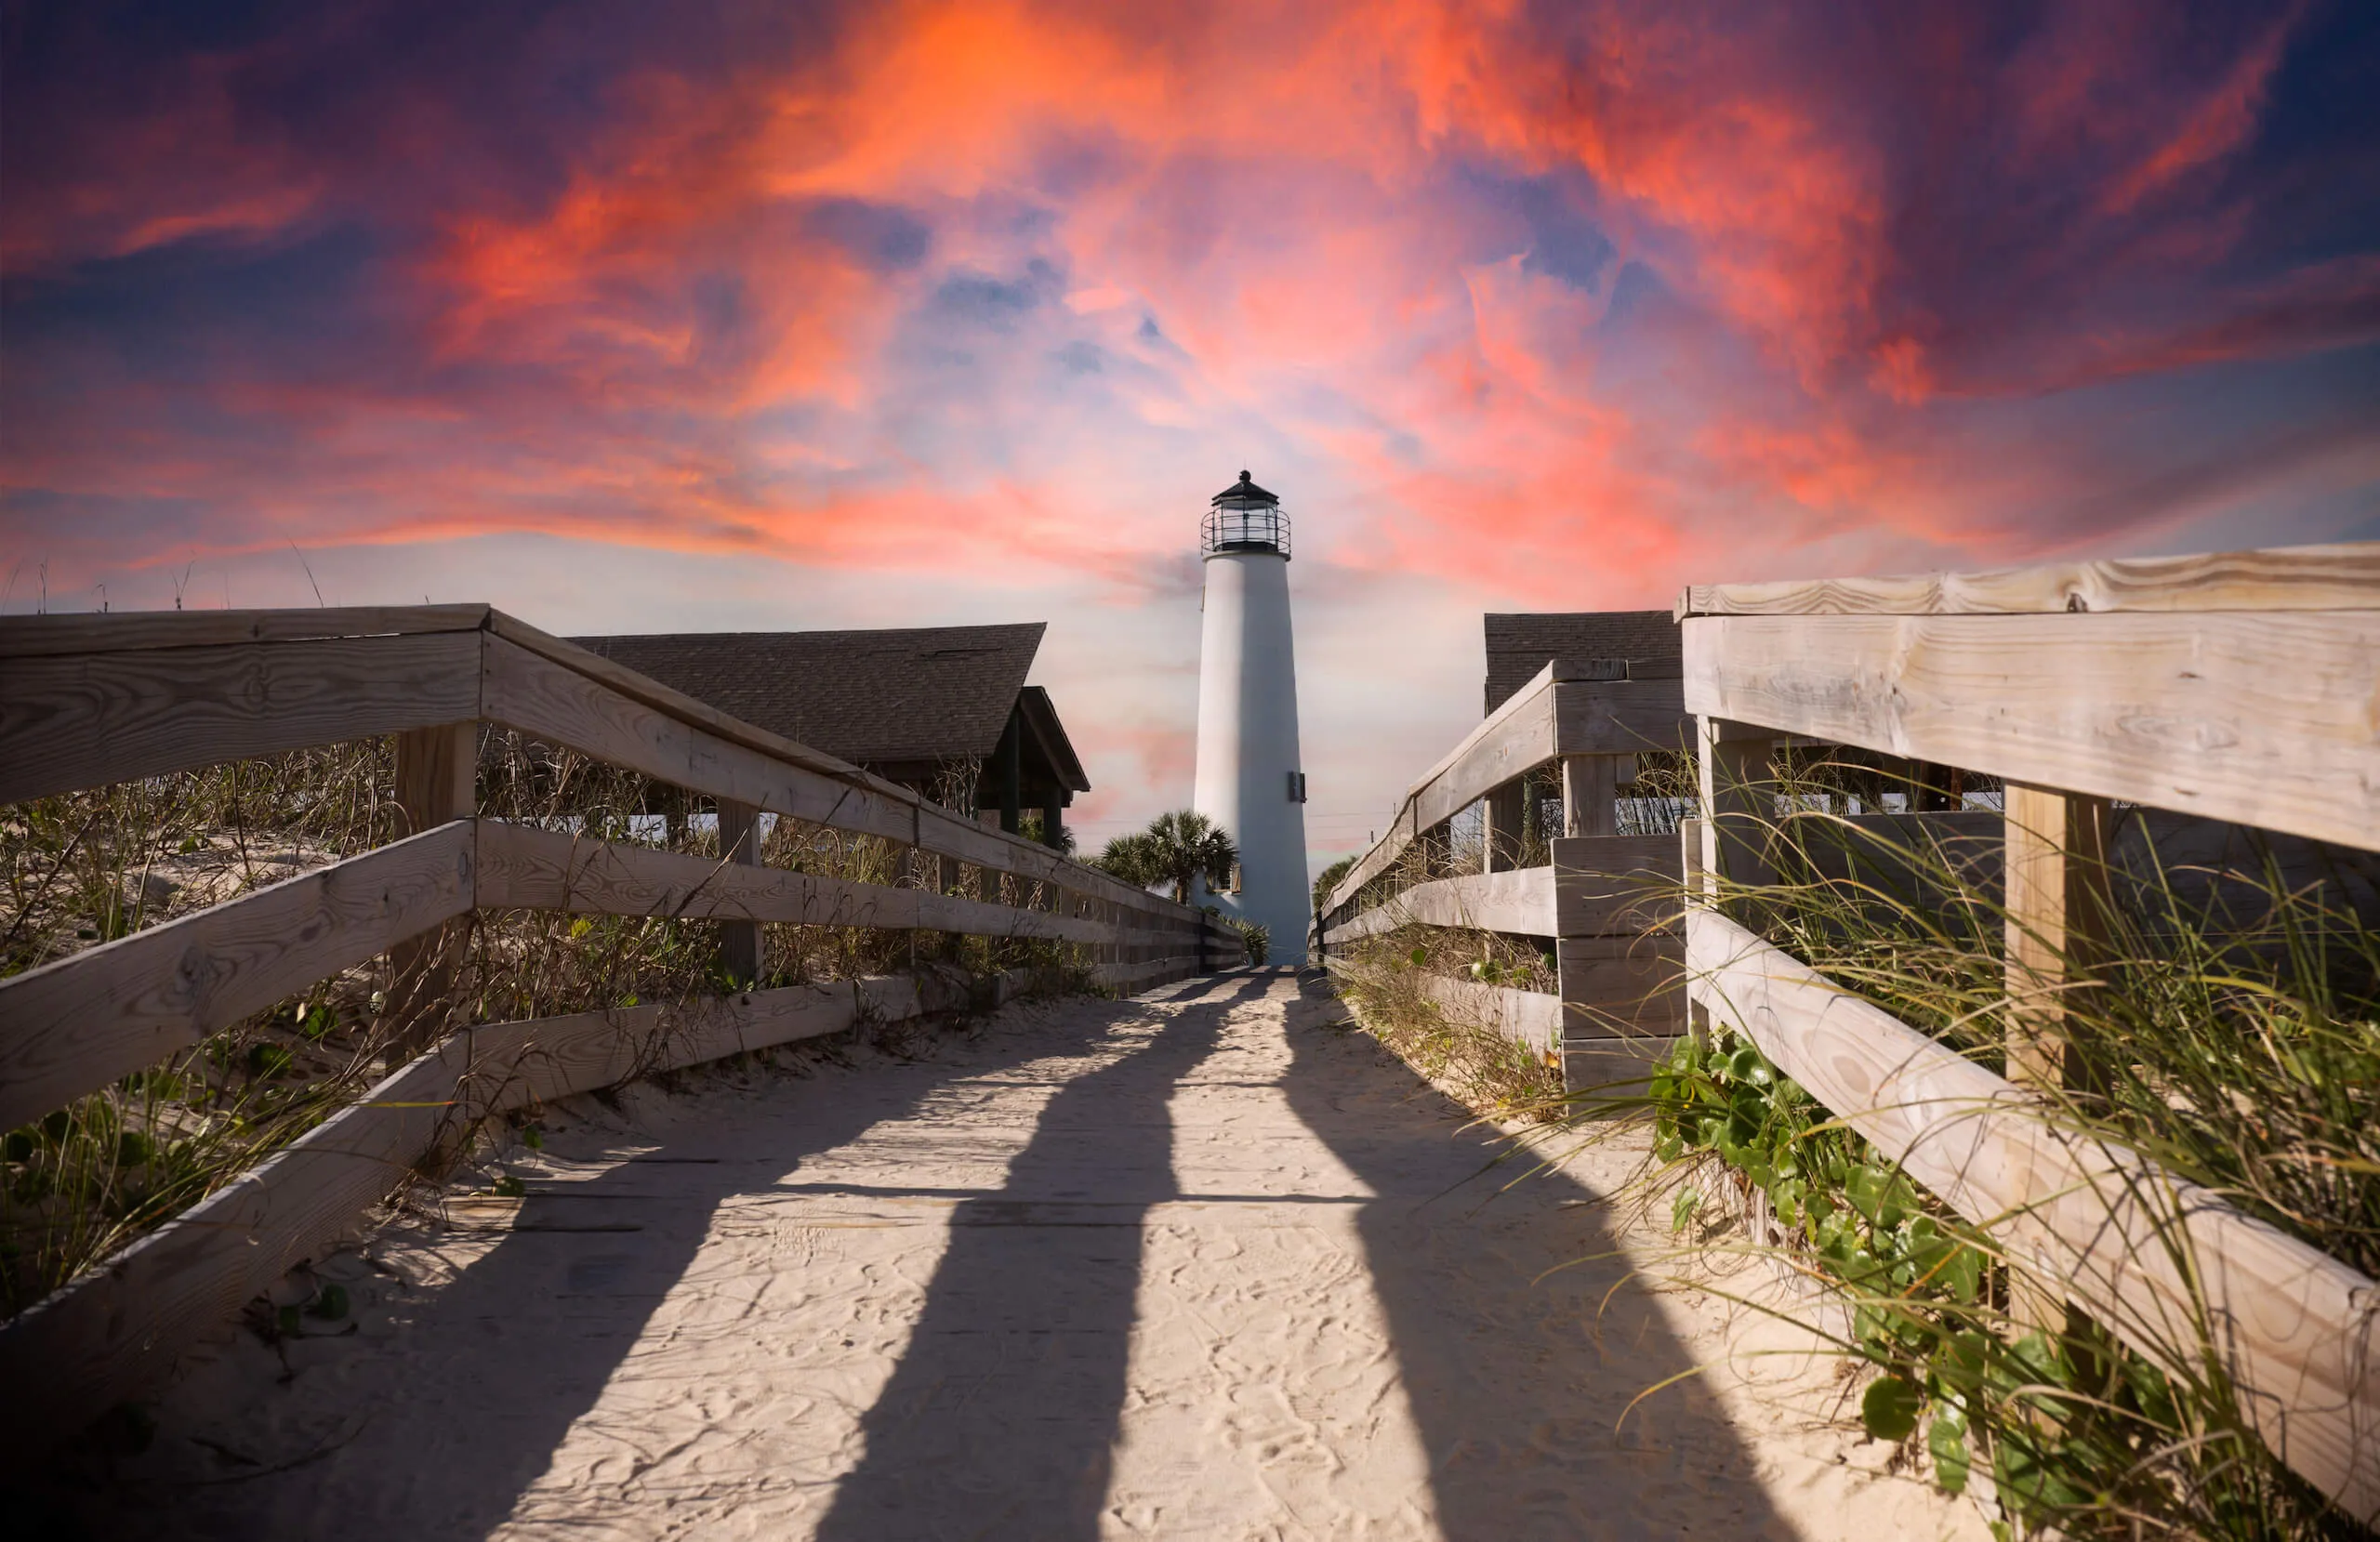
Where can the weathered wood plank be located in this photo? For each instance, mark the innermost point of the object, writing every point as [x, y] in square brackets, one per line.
[437, 776]
[2341, 577]
[1518, 738]
[70, 721]
[1614, 886]
[2264, 719]
[116, 1332]
[525, 868]
[1619, 987]
[1530, 1018]
[1148, 973]
[129, 631]
[739, 846]
[884, 808]
[1739, 801]
[1628, 718]
[2060, 905]
[2292, 1324]
[684, 744]
[1573, 707]
[1514, 738]
[1502, 819]
[1519, 900]
[81, 1023]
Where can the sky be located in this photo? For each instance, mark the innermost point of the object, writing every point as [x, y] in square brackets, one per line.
[628, 317]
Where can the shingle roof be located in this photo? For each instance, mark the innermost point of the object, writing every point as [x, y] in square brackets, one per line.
[1519, 646]
[896, 695]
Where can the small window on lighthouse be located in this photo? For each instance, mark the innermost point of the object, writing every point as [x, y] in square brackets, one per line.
[1297, 786]
[1235, 880]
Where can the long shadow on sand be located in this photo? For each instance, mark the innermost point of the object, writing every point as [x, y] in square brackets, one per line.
[1516, 1376]
[1004, 1413]
[570, 1290]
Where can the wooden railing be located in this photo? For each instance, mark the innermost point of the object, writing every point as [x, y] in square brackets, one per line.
[86, 700]
[1596, 898]
[2234, 687]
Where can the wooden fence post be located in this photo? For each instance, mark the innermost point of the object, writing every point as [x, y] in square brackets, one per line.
[1732, 760]
[2058, 917]
[739, 842]
[1502, 832]
[437, 781]
[946, 882]
[1590, 793]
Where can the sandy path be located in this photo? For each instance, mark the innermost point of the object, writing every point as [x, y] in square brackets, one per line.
[1189, 1266]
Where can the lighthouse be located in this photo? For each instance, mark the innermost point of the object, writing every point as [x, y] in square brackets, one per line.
[1250, 780]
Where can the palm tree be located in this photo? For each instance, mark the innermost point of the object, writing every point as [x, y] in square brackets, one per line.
[1188, 847]
[1178, 849]
[1131, 859]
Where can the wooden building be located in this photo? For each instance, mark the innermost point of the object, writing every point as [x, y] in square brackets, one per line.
[941, 709]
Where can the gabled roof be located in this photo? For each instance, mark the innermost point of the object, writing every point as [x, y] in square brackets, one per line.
[1520, 645]
[920, 694]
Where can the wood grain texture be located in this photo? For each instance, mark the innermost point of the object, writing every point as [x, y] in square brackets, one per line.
[81, 1023]
[437, 783]
[1533, 1018]
[2296, 1328]
[1628, 718]
[127, 631]
[1619, 987]
[2271, 720]
[1518, 738]
[1518, 901]
[2060, 914]
[70, 721]
[525, 868]
[2341, 577]
[116, 1333]
[1614, 886]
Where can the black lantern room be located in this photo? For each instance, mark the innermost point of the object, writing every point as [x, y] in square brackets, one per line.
[1244, 517]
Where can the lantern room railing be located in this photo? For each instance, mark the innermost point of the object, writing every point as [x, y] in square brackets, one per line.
[1228, 529]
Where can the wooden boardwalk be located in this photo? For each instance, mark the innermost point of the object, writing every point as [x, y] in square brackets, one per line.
[1198, 1264]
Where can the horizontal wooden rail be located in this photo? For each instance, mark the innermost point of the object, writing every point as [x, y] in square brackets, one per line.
[86, 700]
[77, 1024]
[1521, 901]
[69, 722]
[2344, 577]
[521, 867]
[1566, 709]
[116, 1331]
[2264, 719]
[2147, 1255]
[24, 637]
[1529, 1018]
[583, 710]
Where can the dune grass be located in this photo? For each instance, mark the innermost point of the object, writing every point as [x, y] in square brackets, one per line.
[89, 867]
[2228, 1018]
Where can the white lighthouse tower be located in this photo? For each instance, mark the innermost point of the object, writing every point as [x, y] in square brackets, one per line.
[1250, 781]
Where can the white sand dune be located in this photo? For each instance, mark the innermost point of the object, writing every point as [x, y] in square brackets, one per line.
[1196, 1265]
